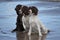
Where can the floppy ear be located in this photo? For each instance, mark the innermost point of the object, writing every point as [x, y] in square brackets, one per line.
[16, 9]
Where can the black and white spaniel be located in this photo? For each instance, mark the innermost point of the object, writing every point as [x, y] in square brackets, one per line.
[35, 22]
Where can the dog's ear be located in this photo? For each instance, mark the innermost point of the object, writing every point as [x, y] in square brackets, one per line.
[25, 10]
[16, 11]
[34, 10]
[18, 7]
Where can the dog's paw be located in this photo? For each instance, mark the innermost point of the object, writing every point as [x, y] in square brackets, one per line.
[29, 34]
[40, 35]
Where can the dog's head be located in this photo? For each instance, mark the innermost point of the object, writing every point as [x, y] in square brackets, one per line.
[18, 9]
[33, 10]
[25, 10]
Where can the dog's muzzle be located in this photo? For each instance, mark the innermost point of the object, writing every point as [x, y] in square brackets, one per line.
[20, 12]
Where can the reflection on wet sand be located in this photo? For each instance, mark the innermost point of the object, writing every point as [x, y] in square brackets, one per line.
[24, 36]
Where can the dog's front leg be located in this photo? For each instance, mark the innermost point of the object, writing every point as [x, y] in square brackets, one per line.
[39, 30]
[23, 20]
[24, 25]
[29, 33]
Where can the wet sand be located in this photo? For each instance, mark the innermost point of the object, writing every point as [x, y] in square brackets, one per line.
[33, 36]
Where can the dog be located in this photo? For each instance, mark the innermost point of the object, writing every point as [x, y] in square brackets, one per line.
[34, 21]
[25, 18]
[19, 23]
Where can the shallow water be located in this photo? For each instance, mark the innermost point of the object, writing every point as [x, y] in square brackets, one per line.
[49, 14]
